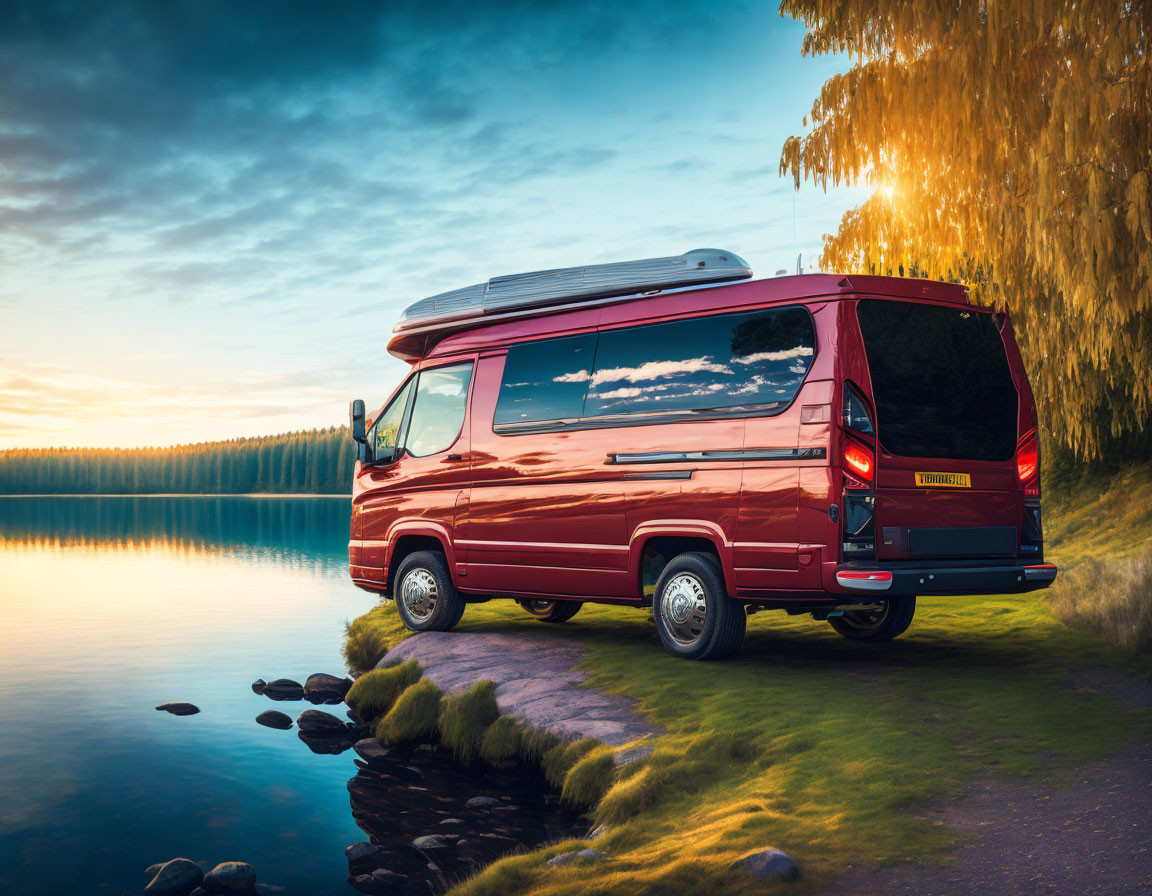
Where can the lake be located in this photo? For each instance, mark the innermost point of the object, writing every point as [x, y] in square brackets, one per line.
[113, 605]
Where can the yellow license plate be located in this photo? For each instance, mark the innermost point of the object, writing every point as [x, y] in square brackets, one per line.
[943, 480]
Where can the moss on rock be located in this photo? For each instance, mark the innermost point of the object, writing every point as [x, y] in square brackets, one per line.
[413, 716]
[376, 692]
[464, 716]
[502, 740]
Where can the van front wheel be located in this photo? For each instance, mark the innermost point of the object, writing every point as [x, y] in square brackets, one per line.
[693, 613]
[426, 599]
[552, 610]
[884, 624]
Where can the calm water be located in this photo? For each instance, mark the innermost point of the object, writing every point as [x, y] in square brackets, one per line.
[113, 605]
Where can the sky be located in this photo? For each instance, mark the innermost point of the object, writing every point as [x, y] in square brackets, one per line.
[212, 213]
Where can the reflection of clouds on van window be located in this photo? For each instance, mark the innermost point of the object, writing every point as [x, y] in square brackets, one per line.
[580, 376]
[800, 351]
[452, 388]
[711, 362]
[651, 370]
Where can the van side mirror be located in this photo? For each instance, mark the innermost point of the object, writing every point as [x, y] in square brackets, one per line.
[356, 420]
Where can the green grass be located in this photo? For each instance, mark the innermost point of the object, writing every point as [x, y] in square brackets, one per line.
[828, 748]
[502, 741]
[1099, 530]
[589, 778]
[413, 716]
[375, 692]
[464, 716]
[364, 645]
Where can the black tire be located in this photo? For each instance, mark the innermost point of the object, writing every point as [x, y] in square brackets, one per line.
[552, 610]
[893, 620]
[694, 615]
[432, 604]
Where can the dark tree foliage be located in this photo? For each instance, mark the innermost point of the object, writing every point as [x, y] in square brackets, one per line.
[317, 461]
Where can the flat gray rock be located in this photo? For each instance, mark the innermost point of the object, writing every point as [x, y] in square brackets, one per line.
[535, 676]
[769, 864]
[179, 709]
[370, 750]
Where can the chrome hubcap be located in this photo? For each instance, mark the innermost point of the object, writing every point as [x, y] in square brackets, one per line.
[419, 592]
[683, 608]
[541, 606]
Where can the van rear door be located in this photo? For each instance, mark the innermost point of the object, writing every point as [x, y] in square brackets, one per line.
[947, 418]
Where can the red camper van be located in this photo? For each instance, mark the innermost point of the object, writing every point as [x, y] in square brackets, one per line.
[663, 435]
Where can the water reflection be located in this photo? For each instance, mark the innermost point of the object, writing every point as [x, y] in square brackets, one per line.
[286, 526]
[114, 605]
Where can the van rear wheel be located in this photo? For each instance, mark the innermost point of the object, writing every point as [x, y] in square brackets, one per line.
[884, 624]
[552, 610]
[426, 599]
[694, 615]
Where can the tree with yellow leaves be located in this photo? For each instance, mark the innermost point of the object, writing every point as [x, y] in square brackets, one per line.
[1010, 144]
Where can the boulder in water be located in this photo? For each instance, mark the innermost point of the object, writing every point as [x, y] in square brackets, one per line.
[273, 718]
[231, 877]
[179, 709]
[179, 877]
[324, 688]
[283, 689]
[316, 722]
[258, 686]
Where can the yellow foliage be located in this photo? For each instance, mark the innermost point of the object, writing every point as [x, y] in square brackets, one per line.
[1018, 140]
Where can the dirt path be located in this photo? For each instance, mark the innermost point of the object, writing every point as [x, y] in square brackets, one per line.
[536, 679]
[1090, 838]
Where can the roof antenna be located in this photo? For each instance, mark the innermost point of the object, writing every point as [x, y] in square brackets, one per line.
[799, 268]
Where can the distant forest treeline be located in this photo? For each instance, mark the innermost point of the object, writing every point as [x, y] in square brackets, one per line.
[315, 461]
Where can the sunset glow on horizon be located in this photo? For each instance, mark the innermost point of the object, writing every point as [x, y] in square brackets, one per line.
[210, 221]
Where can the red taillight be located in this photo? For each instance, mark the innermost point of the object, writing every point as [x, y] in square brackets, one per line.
[1028, 461]
[859, 460]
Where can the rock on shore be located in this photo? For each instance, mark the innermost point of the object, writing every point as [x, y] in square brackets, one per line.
[536, 679]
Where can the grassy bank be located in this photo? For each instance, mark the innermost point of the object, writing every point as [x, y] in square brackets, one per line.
[828, 749]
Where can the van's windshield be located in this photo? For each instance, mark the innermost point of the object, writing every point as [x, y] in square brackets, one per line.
[941, 381]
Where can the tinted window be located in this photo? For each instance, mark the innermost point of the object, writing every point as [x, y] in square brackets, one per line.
[438, 414]
[756, 359]
[386, 430]
[546, 380]
[941, 381]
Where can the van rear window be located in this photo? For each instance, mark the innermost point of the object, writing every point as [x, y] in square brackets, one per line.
[941, 381]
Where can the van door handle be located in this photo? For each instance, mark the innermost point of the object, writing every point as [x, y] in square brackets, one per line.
[455, 457]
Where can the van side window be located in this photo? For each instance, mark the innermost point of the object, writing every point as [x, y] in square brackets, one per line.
[438, 414]
[385, 434]
[546, 380]
[723, 361]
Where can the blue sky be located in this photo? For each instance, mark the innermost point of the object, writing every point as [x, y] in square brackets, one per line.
[211, 213]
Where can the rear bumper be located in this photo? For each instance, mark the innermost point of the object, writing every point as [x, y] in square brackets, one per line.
[880, 578]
